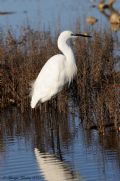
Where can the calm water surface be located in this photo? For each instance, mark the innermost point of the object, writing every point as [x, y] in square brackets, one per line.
[53, 145]
[42, 14]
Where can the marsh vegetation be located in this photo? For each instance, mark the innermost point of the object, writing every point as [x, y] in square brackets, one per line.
[96, 89]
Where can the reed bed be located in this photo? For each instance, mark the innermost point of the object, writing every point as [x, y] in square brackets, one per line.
[96, 87]
[98, 83]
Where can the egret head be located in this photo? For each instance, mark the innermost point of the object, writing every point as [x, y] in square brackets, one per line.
[65, 35]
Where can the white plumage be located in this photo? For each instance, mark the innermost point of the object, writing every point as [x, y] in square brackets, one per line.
[57, 71]
[52, 169]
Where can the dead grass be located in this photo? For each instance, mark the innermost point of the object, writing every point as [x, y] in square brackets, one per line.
[99, 99]
[97, 86]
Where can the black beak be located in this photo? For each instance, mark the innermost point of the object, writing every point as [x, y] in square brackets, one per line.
[83, 35]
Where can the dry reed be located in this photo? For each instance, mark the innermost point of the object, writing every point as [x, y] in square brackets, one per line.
[96, 88]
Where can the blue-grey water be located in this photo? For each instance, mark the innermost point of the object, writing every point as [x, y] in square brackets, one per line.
[49, 146]
[53, 145]
[42, 14]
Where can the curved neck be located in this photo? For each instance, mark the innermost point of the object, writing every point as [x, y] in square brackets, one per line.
[66, 50]
[71, 68]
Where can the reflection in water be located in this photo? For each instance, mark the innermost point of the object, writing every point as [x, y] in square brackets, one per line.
[52, 168]
[41, 13]
[59, 134]
[57, 130]
[6, 13]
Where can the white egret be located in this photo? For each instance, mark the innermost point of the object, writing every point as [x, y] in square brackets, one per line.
[57, 71]
[52, 169]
